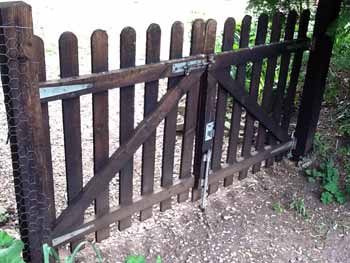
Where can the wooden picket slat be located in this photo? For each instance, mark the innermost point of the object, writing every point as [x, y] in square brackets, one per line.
[127, 118]
[69, 66]
[296, 68]
[189, 130]
[48, 181]
[277, 21]
[150, 103]
[221, 104]
[206, 113]
[99, 63]
[235, 124]
[169, 139]
[254, 92]
[120, 157]
[283, 77]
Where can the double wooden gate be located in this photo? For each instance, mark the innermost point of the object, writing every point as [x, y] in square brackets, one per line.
[215, 88]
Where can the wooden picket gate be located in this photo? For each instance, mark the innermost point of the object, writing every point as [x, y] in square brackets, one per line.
[207, 79]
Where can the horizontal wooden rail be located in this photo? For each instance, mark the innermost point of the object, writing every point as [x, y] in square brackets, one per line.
[97, 82]
[117, 213]
[254, 54]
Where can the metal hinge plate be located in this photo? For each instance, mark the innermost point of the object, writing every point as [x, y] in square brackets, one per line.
[209, 131]
[186, 67]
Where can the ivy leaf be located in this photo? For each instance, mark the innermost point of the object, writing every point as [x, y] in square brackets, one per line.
[5, 239]
[135, 259]
[326, 198]
[340, 197]
[331, 187]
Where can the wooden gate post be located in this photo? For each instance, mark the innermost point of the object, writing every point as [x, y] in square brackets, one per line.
[22, 100]
[316, 75]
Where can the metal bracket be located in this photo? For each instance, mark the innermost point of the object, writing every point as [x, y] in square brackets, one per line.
[187, 67]
[204, 181]
[209, 131]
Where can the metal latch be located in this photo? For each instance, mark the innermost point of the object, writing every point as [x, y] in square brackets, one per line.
[187, 67]
[209, 131]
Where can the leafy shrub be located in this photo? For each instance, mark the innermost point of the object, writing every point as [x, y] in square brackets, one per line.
[328, 175]
[10, 249]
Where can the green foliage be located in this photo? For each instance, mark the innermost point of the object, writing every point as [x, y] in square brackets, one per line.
[343, 118]
[10, 249]
[298, 204]
[140, 259]
[328, 176]
[268, 6]
[50, 253]
[278, 208]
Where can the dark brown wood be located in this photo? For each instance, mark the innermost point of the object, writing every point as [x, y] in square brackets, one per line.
[69, 66]
[169, 140]
[315, 80]
[99, 63]
[237, 108]
[221, 104]
[244, 55]
[288, 107]
[249, 103]
[127, 119]
[206, 113]
[254, 92]
[117, 213]
[125, 77]
[150, 103]
[282, 78]
[269, 82]
[25, 126]
[122, 77]
[197, 47]
[39, 57]
[121, 156]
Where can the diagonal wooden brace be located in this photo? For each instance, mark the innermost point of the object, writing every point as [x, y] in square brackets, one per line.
[121, 156]
[250, 104]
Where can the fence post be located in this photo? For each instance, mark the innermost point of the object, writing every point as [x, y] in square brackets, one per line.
[22, 100]
[316, 75]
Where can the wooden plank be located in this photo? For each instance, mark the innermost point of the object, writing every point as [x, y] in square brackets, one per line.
[127, 119]
[235, 124]
[197, 47]
[99, 63]
[48, 181]
[206, 113]
[69, 66]
[254, 92]
[288, 107]
[252, 107]
[19, 81]
[121, 156]
[118, 213]
[244, 55]
[283, 77]
[93, 224]
[98, 82]
[125, 77]
[169, 139]
[221, 104]
[316, 75]
[150, 104]
[269, 82]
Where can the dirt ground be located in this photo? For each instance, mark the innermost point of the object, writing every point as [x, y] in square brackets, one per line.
[239, 224]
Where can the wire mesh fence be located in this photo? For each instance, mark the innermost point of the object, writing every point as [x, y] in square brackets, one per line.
[17, 71]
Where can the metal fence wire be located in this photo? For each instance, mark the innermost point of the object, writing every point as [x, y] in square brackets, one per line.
[31, 202]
